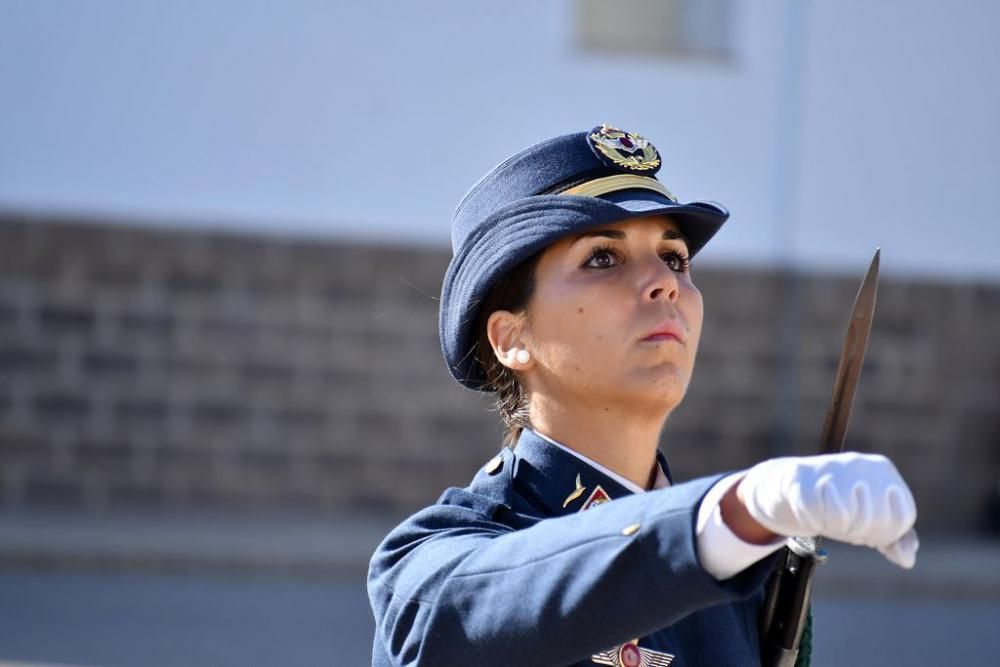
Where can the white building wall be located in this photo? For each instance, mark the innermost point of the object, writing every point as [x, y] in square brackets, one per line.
[900, 139]
[836, 126]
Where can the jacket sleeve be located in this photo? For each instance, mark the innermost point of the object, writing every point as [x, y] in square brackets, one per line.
[450, 586]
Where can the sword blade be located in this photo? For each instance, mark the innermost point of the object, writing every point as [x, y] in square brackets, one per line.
[851, 359]
[786, 603]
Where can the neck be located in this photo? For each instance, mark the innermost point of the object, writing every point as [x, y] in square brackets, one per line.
[620, 440]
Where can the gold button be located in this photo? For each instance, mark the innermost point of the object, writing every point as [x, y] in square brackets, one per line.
[493, 466]
[630, 529]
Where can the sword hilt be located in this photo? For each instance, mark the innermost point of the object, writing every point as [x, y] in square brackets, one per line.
[786, 603]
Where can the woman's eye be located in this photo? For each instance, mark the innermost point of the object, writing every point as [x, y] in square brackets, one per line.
[676, 261]
[601, 259]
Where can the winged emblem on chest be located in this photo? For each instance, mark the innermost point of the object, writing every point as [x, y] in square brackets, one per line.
[630, 654]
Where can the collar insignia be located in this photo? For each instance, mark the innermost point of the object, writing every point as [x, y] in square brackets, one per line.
[597, 497]
[625, 150]
[577, 492]
[630, 654]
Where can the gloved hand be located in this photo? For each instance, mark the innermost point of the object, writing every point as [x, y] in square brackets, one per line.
[850, 497]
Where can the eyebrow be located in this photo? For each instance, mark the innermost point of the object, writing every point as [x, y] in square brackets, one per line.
[668, 235]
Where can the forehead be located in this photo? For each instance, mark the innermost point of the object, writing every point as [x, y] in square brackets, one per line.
[647, 223]
[660, 226]
[651, 222]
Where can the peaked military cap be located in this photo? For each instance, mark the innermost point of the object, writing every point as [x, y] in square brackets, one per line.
[532, 199]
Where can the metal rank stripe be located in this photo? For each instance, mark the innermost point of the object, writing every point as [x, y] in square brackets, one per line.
[602, 186]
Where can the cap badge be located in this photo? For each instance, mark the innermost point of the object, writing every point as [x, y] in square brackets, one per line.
[627, 150]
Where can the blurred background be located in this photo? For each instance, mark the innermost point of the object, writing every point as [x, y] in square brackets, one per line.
[223, 228]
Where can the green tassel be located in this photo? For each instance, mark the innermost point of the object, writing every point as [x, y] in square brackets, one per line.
[806, 643]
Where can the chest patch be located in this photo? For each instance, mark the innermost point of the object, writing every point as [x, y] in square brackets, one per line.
[630, 654]
[597, 497]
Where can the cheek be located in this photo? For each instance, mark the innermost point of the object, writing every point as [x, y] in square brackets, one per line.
[583, 325]
[576, 331]
[594, 328]
[693, 310]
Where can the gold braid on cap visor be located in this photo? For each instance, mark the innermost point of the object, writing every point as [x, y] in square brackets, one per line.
[602, 186]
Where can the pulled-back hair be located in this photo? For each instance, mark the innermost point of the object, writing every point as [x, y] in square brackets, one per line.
[511, 293]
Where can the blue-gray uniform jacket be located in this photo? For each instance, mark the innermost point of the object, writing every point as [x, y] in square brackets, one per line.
[510, 571]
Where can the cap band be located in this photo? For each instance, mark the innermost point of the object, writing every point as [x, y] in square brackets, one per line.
[602, 186]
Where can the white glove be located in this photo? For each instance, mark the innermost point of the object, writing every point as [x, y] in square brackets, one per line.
[850, 497]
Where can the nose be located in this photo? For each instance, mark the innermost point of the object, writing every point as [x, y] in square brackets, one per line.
[662, 282]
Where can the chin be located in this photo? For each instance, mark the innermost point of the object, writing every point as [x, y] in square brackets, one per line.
[662, 392]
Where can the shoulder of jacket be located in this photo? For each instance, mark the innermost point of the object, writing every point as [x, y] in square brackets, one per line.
[490, 492]
[481, 506]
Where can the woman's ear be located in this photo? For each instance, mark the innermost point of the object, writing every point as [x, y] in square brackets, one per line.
[506, 332]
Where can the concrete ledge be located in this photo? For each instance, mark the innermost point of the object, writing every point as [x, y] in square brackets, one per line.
[302, 544]
[947, 567]
[341, 545]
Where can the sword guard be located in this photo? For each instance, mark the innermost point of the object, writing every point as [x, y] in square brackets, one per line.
[807, 547]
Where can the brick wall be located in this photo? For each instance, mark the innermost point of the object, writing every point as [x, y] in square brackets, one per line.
[161, 369]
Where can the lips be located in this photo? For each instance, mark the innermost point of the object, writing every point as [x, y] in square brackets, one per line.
[669, 330]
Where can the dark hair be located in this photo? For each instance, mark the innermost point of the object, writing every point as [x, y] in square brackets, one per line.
[512, 293]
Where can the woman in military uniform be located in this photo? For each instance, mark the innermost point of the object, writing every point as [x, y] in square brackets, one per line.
[570, 296]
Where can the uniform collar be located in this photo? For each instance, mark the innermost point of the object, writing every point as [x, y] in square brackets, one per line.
[661, 478]
[559, 480]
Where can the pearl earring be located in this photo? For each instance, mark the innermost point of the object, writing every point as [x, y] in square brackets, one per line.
[522, 356]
